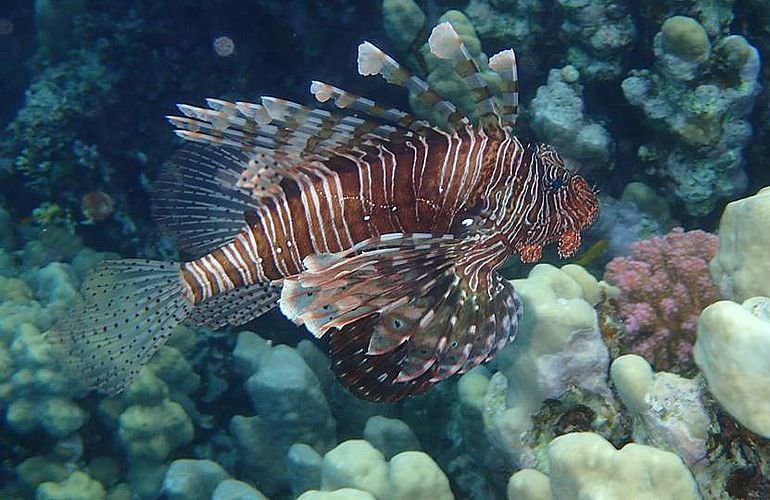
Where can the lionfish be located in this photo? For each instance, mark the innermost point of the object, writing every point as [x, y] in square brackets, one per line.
[371, 227]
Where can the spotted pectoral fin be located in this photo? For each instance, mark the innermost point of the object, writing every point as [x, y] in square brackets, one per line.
[374, 377]
[403, 312]
[376, 276]
[388, 356]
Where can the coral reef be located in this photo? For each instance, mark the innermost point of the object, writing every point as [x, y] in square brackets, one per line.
[599, 35]
[563, 412]
[740, 267]
[668, 410]
[410, 474]
[585, 465]
[731, 351]
[697, 100]
[558, 117]
[664, 285]
[44, 136]
[289, 407]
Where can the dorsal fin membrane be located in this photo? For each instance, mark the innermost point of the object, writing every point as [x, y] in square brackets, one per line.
[196, 199]
[373, 61]
[330, 131]
[445, 43]
[287, 130]
[504, 64]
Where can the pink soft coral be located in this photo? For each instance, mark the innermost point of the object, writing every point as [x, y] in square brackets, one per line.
[664, 286]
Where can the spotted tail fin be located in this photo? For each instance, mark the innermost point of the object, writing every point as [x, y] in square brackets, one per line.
[129, 309]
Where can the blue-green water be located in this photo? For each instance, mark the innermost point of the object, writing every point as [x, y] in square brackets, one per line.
[639, 369]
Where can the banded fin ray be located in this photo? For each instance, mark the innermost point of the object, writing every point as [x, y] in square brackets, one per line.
[504, 64]
[445, 43]
[399, 314]
[323, 92]
[373, 61]
[281, 128]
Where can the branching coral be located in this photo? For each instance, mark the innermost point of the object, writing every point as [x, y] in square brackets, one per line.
[664, 285]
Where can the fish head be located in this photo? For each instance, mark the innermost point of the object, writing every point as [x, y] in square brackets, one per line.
[563, 204]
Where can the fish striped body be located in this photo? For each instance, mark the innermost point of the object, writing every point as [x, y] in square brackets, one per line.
[420, 186]
[379, 231]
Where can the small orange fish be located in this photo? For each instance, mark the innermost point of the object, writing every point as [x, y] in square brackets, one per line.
[382, 233]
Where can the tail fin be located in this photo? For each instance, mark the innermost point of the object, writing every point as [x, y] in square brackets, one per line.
[129, 309]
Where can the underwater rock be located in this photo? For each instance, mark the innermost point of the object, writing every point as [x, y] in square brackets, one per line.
[668, 410]
[39, 469]
[414, 474]
[192, 479]
[714, 15]
[150, 433]
[558, 346]
[529, 484]
[286, 392]
[231, 489]
[683, 37]
[559, 343]
[340, 494]
[390, 435]
[740, 267]
[599, 35]
[585, 465]
[559, 118]
[290, 407]
[76, 487]
[410, 474]
[732, 350]
[355, 464]
[403, 21]
[152, 419]
[701, 100]
[40, 396]
[304, 466]
[247, 355]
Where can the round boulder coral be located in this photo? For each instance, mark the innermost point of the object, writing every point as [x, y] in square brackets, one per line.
[685, 38]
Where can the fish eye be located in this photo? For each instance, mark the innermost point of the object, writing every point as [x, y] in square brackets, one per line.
[397, 323]
[555, 184]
